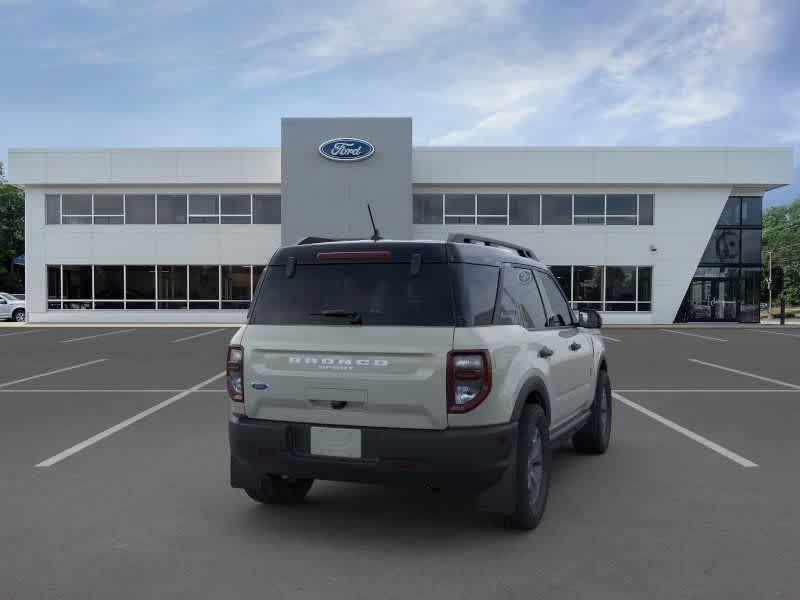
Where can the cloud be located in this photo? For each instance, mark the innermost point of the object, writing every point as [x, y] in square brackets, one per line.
[496, 122]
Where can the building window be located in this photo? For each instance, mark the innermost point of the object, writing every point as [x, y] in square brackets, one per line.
[53, 209]
[492, 209]
[589, 209]
[556, 209]
[172, 285]
[266, 209]
[171, 209]
[621, 209]
[646, 209]
[148, 287]
[76, 209]
[523, 209]
[235, 209]
[459, 209]
[237, 286]
[204, 208]
[428, 209]
[109, 209]
[606, 288]
[203, 287]
[140, 209]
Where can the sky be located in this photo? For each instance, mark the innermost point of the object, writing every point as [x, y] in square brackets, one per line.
[107, 73]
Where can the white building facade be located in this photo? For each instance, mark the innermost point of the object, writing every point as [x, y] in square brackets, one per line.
[645, 235]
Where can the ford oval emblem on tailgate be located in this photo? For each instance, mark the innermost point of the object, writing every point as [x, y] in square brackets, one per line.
[258, 385]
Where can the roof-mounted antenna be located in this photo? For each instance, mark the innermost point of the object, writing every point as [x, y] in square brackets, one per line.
[377, 234]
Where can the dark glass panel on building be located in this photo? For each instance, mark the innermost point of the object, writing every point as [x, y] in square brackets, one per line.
[621, 306]
[751, 211]
[492, 204]
[588, 284]
[108, 282]
[77, 282]
[172, 282]
[491, 220]
[751, 246]
[54, 282]
[428, 209]
[108, 305]
[731, 214]
[614, 220]
[171, 209]
[140, 209]
[556, 209]
[140, 283]
[621, 284]
[235, 209]
[203, 282]
[139, 305]
[723, 247]
[646, 209]
[266, 209]
[621, 204]
[459, 220]
[749, 294]
[76, 209]
[53, 209]
[523, 209]
[563, 275]
[204, 208]
[644, 307]
[236, 291]
[589, 209]
[712, 295]
[459, 204]
[108, 209]
[645, 284]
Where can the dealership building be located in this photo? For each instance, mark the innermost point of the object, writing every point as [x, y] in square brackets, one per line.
[645, 235]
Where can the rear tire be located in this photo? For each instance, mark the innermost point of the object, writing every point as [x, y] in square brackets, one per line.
[18, 315]
[533, 468]
[593, 438]
[277, 490]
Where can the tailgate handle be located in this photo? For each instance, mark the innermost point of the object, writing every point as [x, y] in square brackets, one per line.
[338, 404]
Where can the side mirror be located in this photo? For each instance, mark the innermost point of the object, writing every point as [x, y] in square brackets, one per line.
[590, 319]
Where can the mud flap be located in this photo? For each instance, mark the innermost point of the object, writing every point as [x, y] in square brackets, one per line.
[500, 499]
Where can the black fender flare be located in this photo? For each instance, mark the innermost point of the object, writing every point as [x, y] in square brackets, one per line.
[534, 385]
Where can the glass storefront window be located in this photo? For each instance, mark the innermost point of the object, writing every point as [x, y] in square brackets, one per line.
[730, 214]
[621, 285]
[750, 295]
[588, 286]
[751, 211]
[564, 277]
[723, 247]
[428, 209]
[523, 209]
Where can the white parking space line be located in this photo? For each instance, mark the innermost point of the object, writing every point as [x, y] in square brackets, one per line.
[706, 391]
[91, 337]
[49, 462]
[730, 455]
[192, 337]
[609, 338]
[22, 332]
[54, 372]
[746, 374]
[697, 335]
[794, 335]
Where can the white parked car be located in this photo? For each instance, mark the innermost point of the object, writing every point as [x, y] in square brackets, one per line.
[453, 364]
[12, 308]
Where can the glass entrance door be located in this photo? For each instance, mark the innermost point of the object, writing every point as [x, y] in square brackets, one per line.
[711, 300]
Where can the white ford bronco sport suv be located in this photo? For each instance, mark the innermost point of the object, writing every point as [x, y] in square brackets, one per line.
[455, 365]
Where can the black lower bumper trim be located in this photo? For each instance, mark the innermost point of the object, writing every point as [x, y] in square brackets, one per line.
[468, 458]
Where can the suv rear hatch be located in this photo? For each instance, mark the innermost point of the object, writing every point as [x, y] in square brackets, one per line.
[354, 334]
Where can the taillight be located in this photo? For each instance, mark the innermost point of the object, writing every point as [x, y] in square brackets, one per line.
[469, 379]
[234, 372]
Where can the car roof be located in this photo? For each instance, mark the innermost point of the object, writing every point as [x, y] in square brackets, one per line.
[401, 251]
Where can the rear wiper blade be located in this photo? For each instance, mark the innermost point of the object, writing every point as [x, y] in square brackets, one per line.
[355, 318]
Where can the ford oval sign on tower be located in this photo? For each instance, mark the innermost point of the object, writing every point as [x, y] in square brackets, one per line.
[345, 149]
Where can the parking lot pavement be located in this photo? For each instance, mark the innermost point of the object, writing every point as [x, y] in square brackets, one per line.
[146, 511]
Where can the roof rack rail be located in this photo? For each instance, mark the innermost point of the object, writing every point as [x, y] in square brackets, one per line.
[466, 238]
[319, 239]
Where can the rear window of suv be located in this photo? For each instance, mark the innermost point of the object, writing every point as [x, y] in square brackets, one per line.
[440, 295]
[380, 294]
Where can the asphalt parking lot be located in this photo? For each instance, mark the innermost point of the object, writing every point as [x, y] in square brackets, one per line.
[114, 484]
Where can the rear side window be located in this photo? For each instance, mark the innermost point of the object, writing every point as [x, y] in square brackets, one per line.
[520, 302]
[561, 315]
[475, 292]
[380, 294]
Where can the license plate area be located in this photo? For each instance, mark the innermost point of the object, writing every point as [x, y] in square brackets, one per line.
[336, 442]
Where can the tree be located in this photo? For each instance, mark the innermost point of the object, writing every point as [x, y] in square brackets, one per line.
[781, 234]
[12, 235]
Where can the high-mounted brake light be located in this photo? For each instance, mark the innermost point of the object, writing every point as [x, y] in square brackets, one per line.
[234, 373]
[469, 379]
[354, 256]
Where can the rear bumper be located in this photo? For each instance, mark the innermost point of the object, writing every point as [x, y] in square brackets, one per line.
[470, 458]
